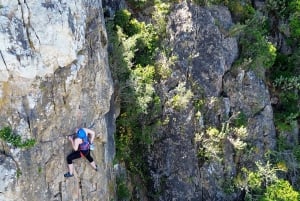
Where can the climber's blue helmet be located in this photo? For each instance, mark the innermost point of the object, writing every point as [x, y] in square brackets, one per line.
[81, 134]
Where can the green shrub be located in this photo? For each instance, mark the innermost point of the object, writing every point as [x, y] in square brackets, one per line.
[285, 82]
[296, 152]
[288, 83]
[281, 190]
[294, 6]
[241, 10]
[288, 110]
[277, 7]
[140, 4]
[7, 135]
[264, 185]
[123, 192]
[240, 120]
[147, 43]
[295, 25]
[283, 66]
[132, 60]
[122, 19]
[255, 46]
[294, 22]
[257, 53]
[182, 97]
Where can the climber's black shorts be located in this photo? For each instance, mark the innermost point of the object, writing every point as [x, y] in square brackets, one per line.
[77, 154]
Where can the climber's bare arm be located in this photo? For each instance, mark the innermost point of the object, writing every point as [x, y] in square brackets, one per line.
[91, 133]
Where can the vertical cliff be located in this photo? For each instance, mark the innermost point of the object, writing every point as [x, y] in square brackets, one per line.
[215, 123]
[196, 156]
[54, 76]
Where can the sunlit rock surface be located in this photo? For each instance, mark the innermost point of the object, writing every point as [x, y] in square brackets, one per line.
[54, 77]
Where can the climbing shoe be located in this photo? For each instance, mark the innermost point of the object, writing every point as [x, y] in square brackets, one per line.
[68, 174]
[96, 168]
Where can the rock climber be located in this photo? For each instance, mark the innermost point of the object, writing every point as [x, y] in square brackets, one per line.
[81, 144]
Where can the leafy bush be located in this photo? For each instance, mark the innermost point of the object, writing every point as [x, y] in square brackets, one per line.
[294, 23]
[288, 107]
[255, 46]
[288, 83]
[124, 20]
[280, 190]
[123, 192]
[140, 4]
[241, 10]
[182, 97]
[7, 135]
[240, 120]
[264, 185]
[132, 59]
[277, 7]
[296, 152]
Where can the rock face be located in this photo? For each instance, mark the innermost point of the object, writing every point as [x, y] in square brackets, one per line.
[197, 37]
[54, 77]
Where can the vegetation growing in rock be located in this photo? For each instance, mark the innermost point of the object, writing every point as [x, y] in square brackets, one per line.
[135, 48]
[135, 45]
[213, 140]
[263, 184]
[286, 67]
[122, 190]
[8, 136]
[181, 97]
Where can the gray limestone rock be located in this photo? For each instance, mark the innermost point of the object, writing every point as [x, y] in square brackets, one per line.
[179, 168]
[54, 76]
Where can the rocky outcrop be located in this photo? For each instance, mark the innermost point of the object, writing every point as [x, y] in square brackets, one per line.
[179, 167]
[54, 77]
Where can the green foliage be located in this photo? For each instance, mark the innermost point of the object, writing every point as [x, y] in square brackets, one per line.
[294, 22]
[295, 25]
[296, 152]
[283, 66]
[159, 17]
[212, 141]
[254, 45]
[294, 5]
[147, 43]
[123, 192]
[140, 4]
[182, 97]
[163, 70]
[288, 111]
[281, 143]
[277, 7]
[240, 120]
[124, 20]
[264, 185]
[18, 173]
[241, 10]
[288, 83]
[40, 170]
[143, 38]
[142, 79]
[135, 45]
[7, 135]
[280, 190]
